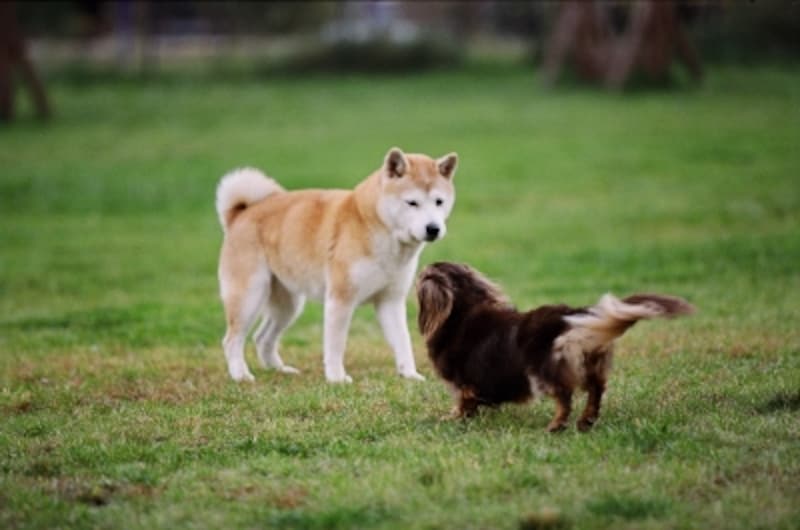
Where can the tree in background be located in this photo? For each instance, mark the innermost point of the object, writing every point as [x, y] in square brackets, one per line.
[14, 59]
[650, 41]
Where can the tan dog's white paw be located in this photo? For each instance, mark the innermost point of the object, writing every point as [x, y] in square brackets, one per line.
[414, 376]
[344, 378]
[286, 369]
[241, 373]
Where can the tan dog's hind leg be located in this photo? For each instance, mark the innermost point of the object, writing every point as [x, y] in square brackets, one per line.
[244, 284]
[281, 309]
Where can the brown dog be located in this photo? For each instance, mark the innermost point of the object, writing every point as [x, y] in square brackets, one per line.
[490, 353]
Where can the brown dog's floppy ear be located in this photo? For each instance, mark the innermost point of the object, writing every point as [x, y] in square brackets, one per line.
[447, 165]
[435, 304]
[395, 163]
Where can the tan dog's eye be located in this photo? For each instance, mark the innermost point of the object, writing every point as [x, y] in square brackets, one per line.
[413, 204]
[439, 202]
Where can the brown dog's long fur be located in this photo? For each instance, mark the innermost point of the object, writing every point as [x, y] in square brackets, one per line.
[490, 353]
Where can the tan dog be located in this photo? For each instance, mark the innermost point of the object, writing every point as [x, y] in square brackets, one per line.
[344, 248]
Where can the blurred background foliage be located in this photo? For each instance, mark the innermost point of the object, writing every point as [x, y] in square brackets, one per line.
[146, 38]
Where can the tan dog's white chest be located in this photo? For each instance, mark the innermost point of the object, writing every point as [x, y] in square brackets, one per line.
[390, 270]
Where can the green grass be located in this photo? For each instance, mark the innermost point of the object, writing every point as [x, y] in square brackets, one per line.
[115, 406]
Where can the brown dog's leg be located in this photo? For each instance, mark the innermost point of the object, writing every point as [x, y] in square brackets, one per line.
[467, 408]
[563, 397]
[467, 403]
[595, 386]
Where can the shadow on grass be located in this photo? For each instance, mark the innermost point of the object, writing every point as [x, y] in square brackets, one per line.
[338, 517]
[780, 402]
[629, 508]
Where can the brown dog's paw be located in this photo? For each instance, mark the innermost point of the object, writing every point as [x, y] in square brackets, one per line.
[585, 424]
[456, 413]
[556, 426]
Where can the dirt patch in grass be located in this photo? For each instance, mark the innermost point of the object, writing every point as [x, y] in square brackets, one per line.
[24, 406]
[90, 378]
[290, 498]
[544, 519]
[173, 389]
[43, 467]
[98, 492]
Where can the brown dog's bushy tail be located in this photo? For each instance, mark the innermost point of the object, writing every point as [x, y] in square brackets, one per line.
[239, 189]
[611, 317]
[664, 305]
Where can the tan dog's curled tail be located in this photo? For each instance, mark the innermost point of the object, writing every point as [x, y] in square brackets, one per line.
[239, 189]
[611, 317]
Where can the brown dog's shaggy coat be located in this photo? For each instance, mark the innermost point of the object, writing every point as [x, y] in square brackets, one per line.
[490, 353]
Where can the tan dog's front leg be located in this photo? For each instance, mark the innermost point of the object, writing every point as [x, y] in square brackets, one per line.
[337, 323]
[392, 317]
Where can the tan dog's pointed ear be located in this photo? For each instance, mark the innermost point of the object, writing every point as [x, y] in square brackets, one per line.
[435, 304]
[447, 165]
[395, 163]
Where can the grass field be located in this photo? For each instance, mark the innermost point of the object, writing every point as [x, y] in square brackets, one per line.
[116, 410]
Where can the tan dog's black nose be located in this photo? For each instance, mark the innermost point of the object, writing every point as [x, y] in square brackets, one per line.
[431, 232]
